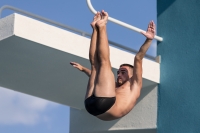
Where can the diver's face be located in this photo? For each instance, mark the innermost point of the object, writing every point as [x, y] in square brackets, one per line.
[122, 75]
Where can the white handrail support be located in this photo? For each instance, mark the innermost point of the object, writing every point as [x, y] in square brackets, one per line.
[121, 23]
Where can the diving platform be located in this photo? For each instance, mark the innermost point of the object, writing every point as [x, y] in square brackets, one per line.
[35, 59]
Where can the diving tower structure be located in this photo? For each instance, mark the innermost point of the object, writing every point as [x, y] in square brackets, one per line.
[35, 59]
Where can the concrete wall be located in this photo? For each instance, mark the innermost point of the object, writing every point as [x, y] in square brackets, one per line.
[179, 90]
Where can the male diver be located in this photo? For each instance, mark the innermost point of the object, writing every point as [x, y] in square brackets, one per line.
[105, 98]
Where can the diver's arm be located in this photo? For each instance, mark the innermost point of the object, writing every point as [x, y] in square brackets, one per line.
[81, 68]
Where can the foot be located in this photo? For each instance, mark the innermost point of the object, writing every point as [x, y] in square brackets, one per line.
[96, 18]
[104, 19]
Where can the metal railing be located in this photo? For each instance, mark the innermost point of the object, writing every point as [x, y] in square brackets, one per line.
[69, 28]
[120, 22]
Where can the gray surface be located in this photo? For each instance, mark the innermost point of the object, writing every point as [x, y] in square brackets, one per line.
[41, 71]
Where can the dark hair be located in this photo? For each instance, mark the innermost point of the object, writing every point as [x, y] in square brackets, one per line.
[131, 66]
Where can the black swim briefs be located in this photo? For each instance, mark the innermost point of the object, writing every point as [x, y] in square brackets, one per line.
[99, 105]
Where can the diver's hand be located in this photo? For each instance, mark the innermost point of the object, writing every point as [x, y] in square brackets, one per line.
[76, 65]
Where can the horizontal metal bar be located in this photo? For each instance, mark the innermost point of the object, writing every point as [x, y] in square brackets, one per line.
[121, 23]
[69, 28]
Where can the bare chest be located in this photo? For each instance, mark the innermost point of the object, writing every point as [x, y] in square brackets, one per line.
[123, 94]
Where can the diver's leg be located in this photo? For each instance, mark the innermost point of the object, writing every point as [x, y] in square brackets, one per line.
[93, 56]
[105, 81]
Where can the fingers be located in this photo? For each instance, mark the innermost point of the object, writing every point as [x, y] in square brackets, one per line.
[74, 64]
[154, 26]
[151, 26]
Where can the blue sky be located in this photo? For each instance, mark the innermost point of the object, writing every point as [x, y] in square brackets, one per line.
[21, 113]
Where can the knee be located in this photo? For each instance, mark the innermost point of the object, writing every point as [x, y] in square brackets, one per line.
[103, 60]
[105, 63]
[94, 62]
